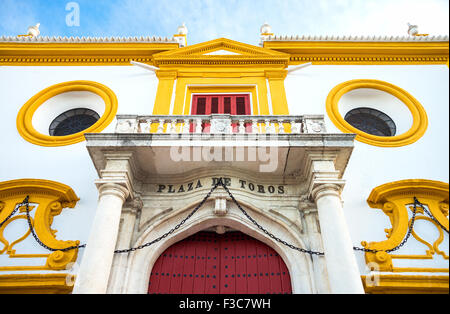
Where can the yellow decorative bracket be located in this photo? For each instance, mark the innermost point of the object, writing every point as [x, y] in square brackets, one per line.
[394, 199]
[47, 199]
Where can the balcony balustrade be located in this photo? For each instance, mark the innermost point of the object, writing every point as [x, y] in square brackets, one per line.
[220, 124]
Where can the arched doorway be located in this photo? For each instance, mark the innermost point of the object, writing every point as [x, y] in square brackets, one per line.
[211, 263]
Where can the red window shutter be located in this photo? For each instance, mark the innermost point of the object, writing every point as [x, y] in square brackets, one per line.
[234, 104]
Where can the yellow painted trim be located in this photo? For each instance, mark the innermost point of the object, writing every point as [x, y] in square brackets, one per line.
[420, 119]
[277, 91]
[247, 55]
[363, 52]
[51, 198]
[79, 54]
[408, 284]
[36, 284]
[164, 92]
[297, 52]
[392, 198]
[25, 116]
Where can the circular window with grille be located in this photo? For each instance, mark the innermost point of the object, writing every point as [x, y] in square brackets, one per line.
[377, 112]
[62, 113]
[371, 121]
[73, 121]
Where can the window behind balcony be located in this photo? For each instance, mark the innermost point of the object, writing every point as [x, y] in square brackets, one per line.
[234, 104]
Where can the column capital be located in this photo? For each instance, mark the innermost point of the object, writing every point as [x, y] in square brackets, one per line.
[119, 169]
[112, 188]
[134, 206]
[326, 187]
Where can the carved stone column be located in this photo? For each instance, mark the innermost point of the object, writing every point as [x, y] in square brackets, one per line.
[325, 189]
[131, 211]
[315, 244]
[114, 187]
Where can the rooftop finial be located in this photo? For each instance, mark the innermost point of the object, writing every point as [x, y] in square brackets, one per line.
[413, 30]
[33, 31]
[266, 29]
[181, 35]
[266, 32]
[182, 30]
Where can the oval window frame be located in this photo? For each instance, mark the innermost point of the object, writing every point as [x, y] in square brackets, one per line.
[25, 116]
[420, 119]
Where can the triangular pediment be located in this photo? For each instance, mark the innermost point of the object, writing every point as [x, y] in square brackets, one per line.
[221, 51]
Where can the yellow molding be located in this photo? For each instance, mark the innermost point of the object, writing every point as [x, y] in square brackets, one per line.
[276, 53]
[392, 198]
[36, 284]
[25, 116]
[79, 54]
[245, 56]
[407, 284]
[51, 197]
[362, 53]
[420, 119]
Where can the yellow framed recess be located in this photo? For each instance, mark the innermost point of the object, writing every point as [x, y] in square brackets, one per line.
[25, 116]
[420, 119]
[47, 200]
[221, 66]
[395, 199]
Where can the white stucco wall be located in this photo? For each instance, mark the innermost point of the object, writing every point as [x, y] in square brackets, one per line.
[135, 89]
[371, 166]
[306, 89]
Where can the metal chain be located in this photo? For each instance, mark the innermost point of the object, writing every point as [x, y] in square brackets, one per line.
[165, 235]
[413, 218]
[30, 225]
[220, 183]
[265, 230]
[25, 201]
[430, 214]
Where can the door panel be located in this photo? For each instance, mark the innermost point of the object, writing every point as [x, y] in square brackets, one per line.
[209, 263]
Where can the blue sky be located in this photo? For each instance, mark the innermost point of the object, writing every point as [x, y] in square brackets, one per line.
[235, 19]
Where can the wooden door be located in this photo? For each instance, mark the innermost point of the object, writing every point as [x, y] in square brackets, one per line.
[209, 263]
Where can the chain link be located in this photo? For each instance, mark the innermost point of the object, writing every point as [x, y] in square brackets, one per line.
[265, 230]
[246, 214]
[430, 214]
[165, 235]
[411, 225]
[30, 225]
[25, 201]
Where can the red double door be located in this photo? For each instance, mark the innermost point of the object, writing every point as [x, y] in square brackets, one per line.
[209, 263]
[233, 104]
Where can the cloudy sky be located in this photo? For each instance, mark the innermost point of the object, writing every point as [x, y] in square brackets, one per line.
[235, 19]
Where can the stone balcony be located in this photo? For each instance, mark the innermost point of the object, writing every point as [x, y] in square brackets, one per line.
[275, 147]
[220, 124]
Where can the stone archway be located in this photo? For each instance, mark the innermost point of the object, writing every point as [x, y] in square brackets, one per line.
[212, 263]
[141, 262]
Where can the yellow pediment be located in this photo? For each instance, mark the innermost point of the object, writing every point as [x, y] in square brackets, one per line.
[221, 51]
